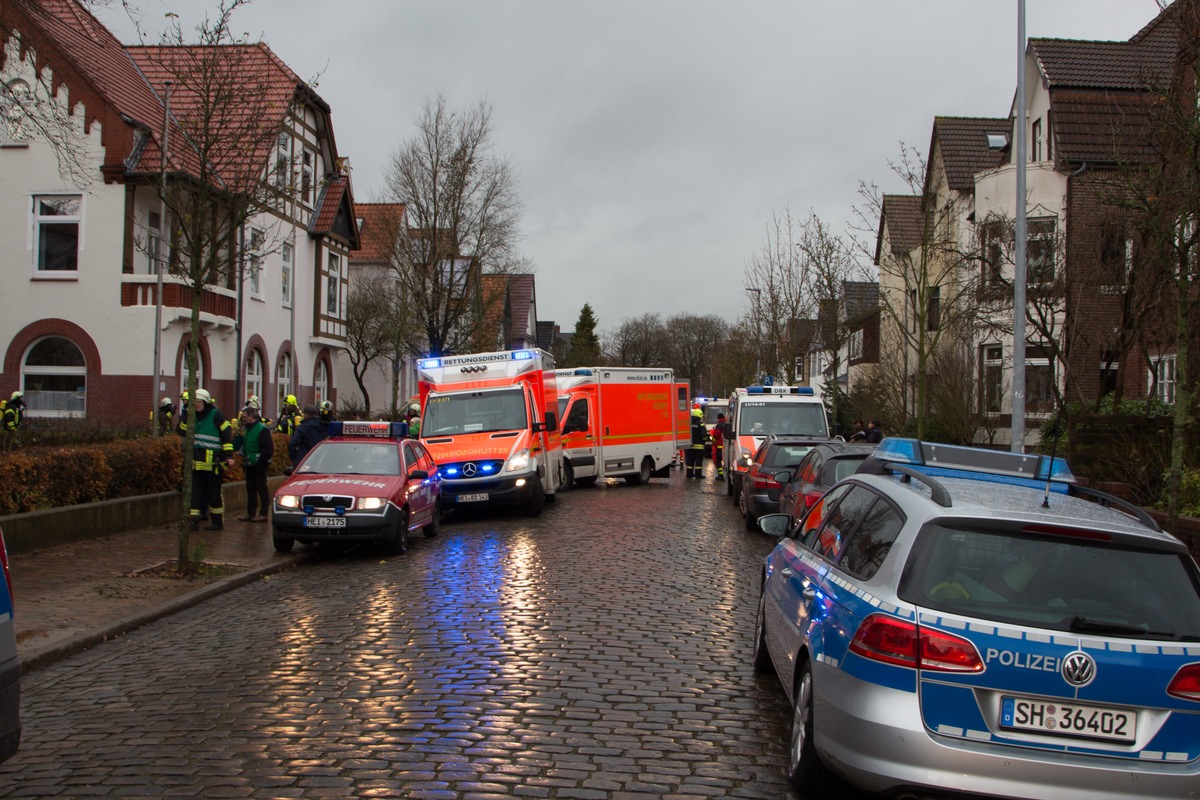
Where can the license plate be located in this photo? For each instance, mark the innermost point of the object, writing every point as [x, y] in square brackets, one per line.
[324, 522]
[1068, 719]
[472, 498]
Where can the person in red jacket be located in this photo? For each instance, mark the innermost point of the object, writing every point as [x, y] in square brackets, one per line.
[718, 446]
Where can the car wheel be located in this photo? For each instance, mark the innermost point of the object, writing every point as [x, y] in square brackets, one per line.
[728, 483]
[643, 474]
[762, 656]
[399, 542]
[538, 501]
[283, 544]
[806, 773]
[751, 518]
[741, 502]
[568, 476]
[588, 481]
[431, 530]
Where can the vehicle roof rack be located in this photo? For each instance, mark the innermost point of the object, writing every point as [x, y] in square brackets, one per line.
[1112, 501]
[938, 493]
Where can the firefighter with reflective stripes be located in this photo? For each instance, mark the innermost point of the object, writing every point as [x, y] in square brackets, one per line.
[212, 452]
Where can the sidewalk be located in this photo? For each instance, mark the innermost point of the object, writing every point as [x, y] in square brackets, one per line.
[72, 596]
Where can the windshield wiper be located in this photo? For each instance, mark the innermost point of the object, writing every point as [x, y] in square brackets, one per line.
[1082, 624]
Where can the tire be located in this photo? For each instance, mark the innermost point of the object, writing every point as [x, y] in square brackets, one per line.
[283, 544]
[431, 530]
[538, 501]
[751, 519]
[590, 480]
[398, 544]
[806, 773]
[743, 505]
[643, 474]
[762, 656]
[568, 476]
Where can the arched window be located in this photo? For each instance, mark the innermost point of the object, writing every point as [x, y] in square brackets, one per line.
[283, 378]
[54, 379]
[254, 374]
[183, 382]
[321, 382]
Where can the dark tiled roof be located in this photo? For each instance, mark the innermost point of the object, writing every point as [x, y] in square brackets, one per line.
[862, 299]
[520, 303]
[377, 233]
[963, 142]
[545, 335]
[1145, 60]
[1102, 128]
[903, 218]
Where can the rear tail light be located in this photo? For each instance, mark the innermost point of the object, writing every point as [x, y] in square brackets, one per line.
[897, 641]
[766, 482]
[1186, 683]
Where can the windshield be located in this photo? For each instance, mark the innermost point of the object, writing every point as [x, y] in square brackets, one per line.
[711, 410]
[475, 412]
[1056, 583]
[353, 458]
[757, 418]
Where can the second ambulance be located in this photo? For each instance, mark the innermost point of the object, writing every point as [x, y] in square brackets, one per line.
[757, 412]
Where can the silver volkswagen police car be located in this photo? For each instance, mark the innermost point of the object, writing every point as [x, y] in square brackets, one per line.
[974, 621]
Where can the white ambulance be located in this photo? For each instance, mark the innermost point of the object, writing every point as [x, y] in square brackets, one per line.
[756, 412]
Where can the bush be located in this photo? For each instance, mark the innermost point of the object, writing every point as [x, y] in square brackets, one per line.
[1189, 493]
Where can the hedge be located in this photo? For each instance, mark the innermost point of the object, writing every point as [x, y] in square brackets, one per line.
[36, 478]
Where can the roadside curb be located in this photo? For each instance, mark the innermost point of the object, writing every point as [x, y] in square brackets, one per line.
[46, 656]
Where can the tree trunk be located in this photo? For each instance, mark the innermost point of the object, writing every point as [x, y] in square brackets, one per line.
[186, 536]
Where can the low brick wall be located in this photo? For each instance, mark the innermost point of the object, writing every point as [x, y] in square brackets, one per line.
[37, 529]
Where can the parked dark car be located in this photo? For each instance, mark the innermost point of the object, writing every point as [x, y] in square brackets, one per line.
[10, 665]
[826, 464]
[761, 488]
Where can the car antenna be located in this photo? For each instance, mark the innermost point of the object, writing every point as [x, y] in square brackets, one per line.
[1053, 451]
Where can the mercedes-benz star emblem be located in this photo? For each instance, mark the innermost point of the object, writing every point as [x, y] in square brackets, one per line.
[469, 469]
[1079, 669]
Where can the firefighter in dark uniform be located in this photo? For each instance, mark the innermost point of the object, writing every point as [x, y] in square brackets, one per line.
[289, 416]
[212, 453]
[694, 456]
[14, 412]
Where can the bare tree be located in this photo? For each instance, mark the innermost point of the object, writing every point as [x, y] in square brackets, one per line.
[226, 115]
[462, 212]
[778, 283]
[691, 342]
[638, 342]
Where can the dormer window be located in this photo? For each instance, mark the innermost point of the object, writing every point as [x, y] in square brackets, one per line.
[997, 141]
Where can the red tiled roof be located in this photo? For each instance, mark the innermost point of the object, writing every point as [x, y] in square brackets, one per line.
[336, 203]
[964, 147]
[377, 233]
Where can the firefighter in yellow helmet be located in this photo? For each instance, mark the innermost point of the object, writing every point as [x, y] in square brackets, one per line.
[166, 416]
[14, 412]
[212, 453]
[694, 456]
[289, 416]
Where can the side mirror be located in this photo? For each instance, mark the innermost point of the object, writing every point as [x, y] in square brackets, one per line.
[418, 475]
[288, 470]
[774, 524]
[551, 421]
[783, 477]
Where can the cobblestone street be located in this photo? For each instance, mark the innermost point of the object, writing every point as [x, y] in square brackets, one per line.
[601, 650]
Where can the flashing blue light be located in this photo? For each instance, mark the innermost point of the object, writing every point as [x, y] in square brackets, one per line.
[755, 390]
[903, 450]
[451, 470]
[767, 388]
[335, 428]
[429, 363]
[309, 509]
[522, 355]
[486, 467]
[979, 463]
[804, 390]
[583, 372]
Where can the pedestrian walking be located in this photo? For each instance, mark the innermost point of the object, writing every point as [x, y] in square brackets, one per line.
[309, 432]
[694, 457]
[718, 446]
[257, 448]
[212, 454]
[289, 416]
[874, 432]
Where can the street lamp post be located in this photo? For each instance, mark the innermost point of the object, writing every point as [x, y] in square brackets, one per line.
[754, 309]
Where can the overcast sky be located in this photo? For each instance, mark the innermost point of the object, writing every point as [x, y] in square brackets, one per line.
[654, 139]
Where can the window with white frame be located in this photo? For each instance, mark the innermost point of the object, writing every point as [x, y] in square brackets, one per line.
[56, 234]
[1162, 378]
[856, 345]
[1040, 246]
[54, 379]
[333, 297]
[254, 262]
[153, 243]
[991, 378]
[1036, 141]
[15, 97]
[307, 163]
[254, 373]
[283, 161]
[1039, 379]
[183, 382]
[321, 383]
[1110, 370]
[288, 254]
[283, 377]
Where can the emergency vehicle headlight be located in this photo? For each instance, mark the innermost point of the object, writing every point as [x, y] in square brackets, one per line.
[288, 500]
[370, 503]
[518, 461]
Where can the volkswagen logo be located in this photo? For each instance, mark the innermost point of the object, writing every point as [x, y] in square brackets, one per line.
[1079, 669]
[469, 469]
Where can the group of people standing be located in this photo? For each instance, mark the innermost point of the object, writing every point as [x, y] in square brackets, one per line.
[871, 434]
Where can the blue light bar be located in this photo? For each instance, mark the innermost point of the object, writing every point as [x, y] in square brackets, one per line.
[807, 391]
[522, 355]
[583, 372]
[429, 363]
[979, 463]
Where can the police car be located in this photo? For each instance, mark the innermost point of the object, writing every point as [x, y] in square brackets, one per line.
[366, 482]
[10, 665]
[974, 621]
